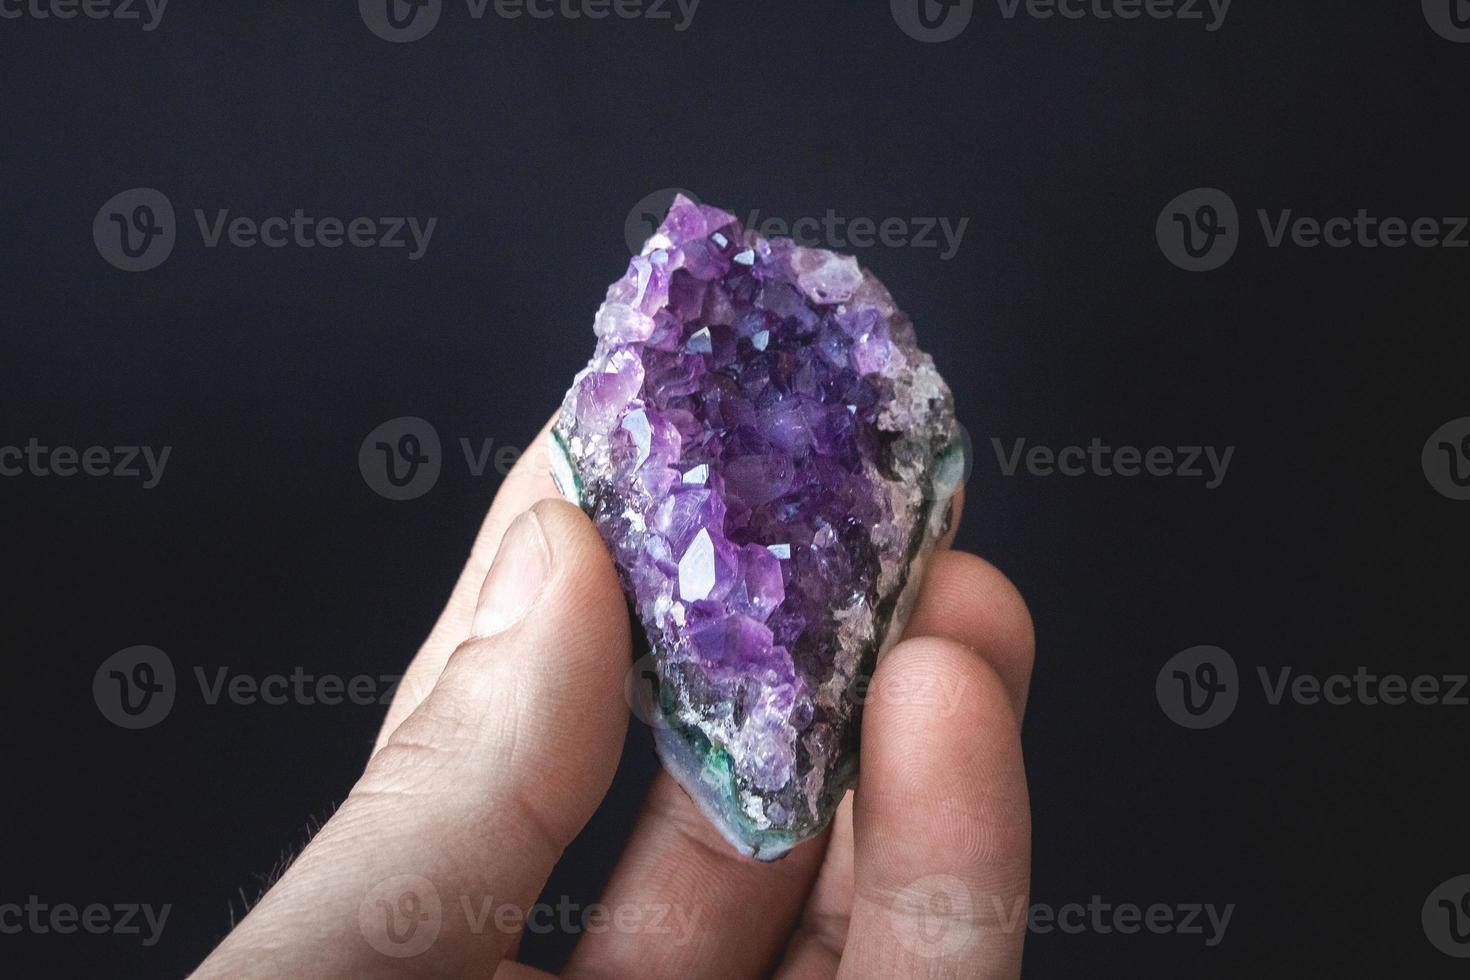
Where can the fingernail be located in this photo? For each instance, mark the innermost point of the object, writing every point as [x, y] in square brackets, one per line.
[515, 579]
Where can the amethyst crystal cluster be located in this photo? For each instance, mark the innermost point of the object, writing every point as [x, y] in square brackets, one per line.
[769, 457]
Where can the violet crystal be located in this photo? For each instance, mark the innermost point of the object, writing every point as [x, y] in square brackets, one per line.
[769, 457]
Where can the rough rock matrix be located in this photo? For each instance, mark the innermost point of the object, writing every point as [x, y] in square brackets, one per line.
[770, 458]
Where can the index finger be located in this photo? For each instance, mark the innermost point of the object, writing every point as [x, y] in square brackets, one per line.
[528, 482]
[941, 816]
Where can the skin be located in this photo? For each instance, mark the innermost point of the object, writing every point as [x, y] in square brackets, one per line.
[498, 749]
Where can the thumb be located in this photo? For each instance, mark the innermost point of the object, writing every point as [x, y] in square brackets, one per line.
[448, 837]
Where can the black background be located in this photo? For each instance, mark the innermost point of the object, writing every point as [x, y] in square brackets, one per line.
[1058, 320]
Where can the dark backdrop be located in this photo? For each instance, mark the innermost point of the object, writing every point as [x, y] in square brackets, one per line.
[1059, 319]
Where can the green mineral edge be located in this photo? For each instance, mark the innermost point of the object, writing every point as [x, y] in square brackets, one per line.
[717, 772]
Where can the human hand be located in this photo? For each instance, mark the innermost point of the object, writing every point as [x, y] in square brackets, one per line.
[504, 737]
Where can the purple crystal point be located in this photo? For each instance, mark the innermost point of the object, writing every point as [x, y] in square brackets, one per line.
[769, 457]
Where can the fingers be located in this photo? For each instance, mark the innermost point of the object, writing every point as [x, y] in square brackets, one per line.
[941, 820]
[730, 914]
[746, 909]
[463, 812]
[966, 599]
[814, 951]
[527, 482]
